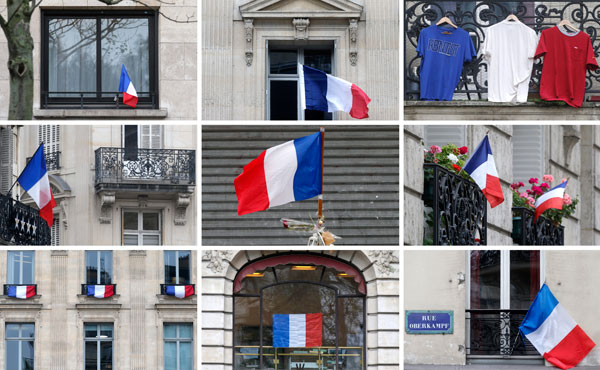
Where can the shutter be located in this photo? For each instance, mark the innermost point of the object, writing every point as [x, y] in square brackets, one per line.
[441, 135]
[150, 136]
[6, 146]
[50, 136]
[55, 231]
[528, 152]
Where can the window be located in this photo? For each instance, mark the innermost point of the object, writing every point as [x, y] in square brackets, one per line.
[444, 135]
[6, 159]
[55, 231]
[21, 267]
[141, 227]
[98, 267]
[19, 346]
[98, 343]
[528, 159]
[178, 346]
[283, 95]
[178, 267]
[82, 54]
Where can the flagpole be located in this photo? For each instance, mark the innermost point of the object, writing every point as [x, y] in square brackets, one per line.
[34, 153]
[320, 213]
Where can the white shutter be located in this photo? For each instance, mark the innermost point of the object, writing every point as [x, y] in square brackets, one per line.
[528, 152]
[55, 231]
[151, 136]
[50, 136]
[6, 146]
[441, 135]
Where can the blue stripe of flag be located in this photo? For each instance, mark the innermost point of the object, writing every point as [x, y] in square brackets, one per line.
[307, 180]
[479, 156]
[281, 330]
[540, 309]
[12, 291]
[34, 171]
[315, 88]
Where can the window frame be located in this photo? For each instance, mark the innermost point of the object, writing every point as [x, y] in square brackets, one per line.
[20, 264]
[177, 267]
[140, 135]
[140, 232]
[98, 101]
[98, 273]
[98, 340]
[178, 340]
[20, 340]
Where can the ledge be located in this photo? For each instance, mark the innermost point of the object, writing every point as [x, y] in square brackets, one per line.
[141, 187]
[100, 113]
[98, 306]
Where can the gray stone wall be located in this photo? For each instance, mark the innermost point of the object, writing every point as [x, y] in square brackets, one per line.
[413, 184]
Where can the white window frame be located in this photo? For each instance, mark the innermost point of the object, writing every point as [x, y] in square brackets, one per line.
[98, 259]
[20, 262]
[19, 339]
[178, 340]
[140, 136]
[98, 340]
[140, 232]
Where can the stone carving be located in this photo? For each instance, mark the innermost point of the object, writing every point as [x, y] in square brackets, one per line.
[183, 201]
[301, 25]
[218, 260]
[249, 28]
[382, 261]
[107, 199]
[571, 137]
[353, 30]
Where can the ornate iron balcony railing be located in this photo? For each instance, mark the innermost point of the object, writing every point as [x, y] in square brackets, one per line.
[475, 17]
[543, 232]
[134, 165]
[52, 161]
[496, 333]
[21, 224]
[458, 208]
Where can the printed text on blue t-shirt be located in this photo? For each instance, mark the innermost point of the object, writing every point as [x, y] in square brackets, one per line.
[443, 47]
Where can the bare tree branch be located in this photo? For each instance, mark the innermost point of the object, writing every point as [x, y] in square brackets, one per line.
[3, 22]
[34, 6]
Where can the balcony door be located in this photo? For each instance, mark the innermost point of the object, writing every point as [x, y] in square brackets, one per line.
[137, 162]
[502, 286]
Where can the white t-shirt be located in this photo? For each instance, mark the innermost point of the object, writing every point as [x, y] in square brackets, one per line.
[509, 48]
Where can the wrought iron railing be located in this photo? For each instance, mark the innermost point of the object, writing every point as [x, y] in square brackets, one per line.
[94, 100]
[543, 232]
[163, 287]
[496, 333]
[163, 166]
[21, 224]
[318, 358]
[84, 288]
[52, 161]
[458, 214]
[5, 290]
[475, 17]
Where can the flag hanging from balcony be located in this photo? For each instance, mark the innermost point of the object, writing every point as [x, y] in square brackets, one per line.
[482, 169]
[326, 93]
[553, 333]
[21, 291]
[180, 291]
[100, 291]
[297, 330]
[126, 87]
[282, 174]
[553, 198]
[34, 180]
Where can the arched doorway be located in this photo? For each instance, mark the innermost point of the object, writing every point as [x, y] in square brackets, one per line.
[298, 284]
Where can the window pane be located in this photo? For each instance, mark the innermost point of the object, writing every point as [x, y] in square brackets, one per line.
[13, 268]
[170, 356]
[27, 354]
[284, 100]
[106, 330]
[184, 267]
[151, 239]
[524, 278]
[130, 220]
[27, 330]
[106, 267]
[125, 41]
[150, 221]
[185, 331]
[91, 355]
[12, 354]
[185, 356]
[170, 267]
[485, 279]
[283, 61]
[105, 355]
[91, 267]
[91, 331]
[71, 56]
[247, 325]
[130, 239]
[170, 331]
[12, 331]
[28, 267]
[319, 59]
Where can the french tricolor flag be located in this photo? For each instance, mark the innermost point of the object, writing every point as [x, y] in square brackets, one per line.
[297, 330]
[21, 291]
[327, 93]
[553, 198]
[100, 291]
[34, 180]
[554, 333]
[482, 169]
[284, 173]
[126, 87]
[180, 291]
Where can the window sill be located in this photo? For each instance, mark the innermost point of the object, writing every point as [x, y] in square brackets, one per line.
[100, 113]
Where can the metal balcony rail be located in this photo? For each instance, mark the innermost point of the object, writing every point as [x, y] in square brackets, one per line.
[458, 208]
[496, 333]
[21, 224]
[52, 161]
[84, 288]
[162, 166]
[94, 100]
[5, 290]
[299, 358]
[475, 17]
[543, 232]
[163, 287]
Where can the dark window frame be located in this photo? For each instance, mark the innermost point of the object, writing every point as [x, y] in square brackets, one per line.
[151, 102]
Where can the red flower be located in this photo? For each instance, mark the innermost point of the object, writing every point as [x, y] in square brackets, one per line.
[455, 151]
[537, 190]
[544, 185]
[457, 168]
[533, 180]
[463, 150]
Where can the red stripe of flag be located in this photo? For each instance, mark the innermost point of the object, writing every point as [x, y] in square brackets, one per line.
[314, 329]
[556, 203]
[251, 187]
[493, 191]
[30, 291]
[571, 350]
[360, 100]
[189, 290]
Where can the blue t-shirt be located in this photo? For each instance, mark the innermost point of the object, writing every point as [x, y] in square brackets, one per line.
[443, 50]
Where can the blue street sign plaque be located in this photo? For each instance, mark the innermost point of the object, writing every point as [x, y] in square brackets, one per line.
[429, 322]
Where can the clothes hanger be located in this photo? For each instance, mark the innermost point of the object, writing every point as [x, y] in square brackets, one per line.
[446, 20]
[512, 17]
[567, 23]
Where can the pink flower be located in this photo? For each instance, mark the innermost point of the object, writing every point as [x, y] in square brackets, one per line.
[537, 190]
[435, 149]
[533, 180]
[435, 160]
[523, 195]
[567, 199]
[531, 201]
[514, 186]
[548, 178]
[544, 186]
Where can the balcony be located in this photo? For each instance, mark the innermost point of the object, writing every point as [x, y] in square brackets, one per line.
[458, 208]
[135, 169]
[6, 286]
[84, 288]
[543, 232]
[21, 224]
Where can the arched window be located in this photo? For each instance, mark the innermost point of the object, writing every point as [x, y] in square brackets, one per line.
[298, 284]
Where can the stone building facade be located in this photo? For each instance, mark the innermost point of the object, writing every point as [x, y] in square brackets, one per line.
[136, 321]
[228, 325]
[520, 152]
[156, 40]
[251, 47]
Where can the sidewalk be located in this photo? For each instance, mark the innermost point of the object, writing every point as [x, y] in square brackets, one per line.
[489, 367]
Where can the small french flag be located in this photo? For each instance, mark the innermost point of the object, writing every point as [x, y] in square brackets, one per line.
[126, 87]
[323, 92]
[298, 330]
[482, 169]
[284, 173]
[180, 291]
[100, 291]
[34, 180]
[21, 291]
[553, 198]
[553, 333]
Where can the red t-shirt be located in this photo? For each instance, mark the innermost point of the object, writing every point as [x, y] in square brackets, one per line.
[566, 61]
